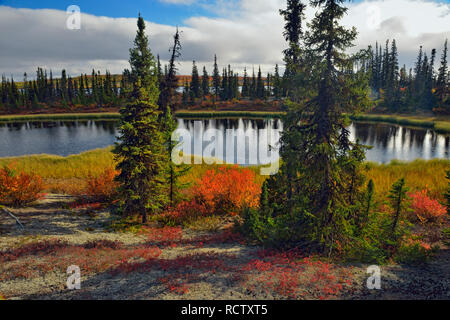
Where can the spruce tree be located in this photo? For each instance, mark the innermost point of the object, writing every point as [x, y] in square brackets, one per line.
[216, 78]
[140, 151]
[245, 84]
[276, 83]
[319, 185]
[397, 196]
[195, 81]
[259, 85]
[174, 172]
[293, 16]
[205, 83]
[442, 81]
[170, 82]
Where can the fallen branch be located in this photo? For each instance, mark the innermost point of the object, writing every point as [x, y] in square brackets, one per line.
[12, 216]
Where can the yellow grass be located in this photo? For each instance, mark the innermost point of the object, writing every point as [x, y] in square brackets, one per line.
[67, 174]
[418, 174]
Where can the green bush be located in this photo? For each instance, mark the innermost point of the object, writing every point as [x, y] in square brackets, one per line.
[413, 254]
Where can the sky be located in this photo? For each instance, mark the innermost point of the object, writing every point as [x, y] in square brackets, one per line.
[243, 33]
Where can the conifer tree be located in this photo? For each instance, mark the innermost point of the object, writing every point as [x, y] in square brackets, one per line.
[140, 152]
[174, 172]
[442, 81]
[259, 85]
[276, 83]
[245, 84]
[195, 81]
[205, 83]
[320, 181]
[397, 196]
[216, 78]
[293, 15]
[170, 82]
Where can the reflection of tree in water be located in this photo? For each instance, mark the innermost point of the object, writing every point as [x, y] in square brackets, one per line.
[375, 134]
[447, 146]
[417, 137]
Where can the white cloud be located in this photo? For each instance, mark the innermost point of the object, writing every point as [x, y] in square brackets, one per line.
[246, 33]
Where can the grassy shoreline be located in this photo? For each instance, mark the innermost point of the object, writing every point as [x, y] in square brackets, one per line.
[439, 124]
[66, 174]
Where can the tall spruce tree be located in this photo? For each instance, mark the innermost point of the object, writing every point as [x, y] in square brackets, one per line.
[442, 85]
[245, 84]
[259, 85]
[293, 16]
[216, 78]
[140, 151]
[170, 82]
[320, 183]
[195, 81]
[205, 83]
[174, 172]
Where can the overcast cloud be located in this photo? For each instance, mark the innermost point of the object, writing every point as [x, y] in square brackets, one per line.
[247, 33]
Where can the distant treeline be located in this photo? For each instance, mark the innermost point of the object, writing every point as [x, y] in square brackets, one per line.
[400, 90]
[394, 89]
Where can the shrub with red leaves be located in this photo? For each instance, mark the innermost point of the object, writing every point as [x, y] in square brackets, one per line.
[426, 209]
[19, 189]
[103, 188]
[225, 191]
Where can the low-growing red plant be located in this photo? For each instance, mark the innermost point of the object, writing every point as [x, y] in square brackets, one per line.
[286, 273]
[19, 188]
[425, 209]
[163, 236]
[40, 258]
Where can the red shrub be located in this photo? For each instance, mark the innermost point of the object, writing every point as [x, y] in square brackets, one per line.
[18, 189]
[103, 187]
[227, 190]
[426, 209]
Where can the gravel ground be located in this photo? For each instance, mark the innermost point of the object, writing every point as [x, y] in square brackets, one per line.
[49, 220]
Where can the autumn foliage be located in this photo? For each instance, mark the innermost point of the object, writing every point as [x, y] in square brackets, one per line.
[103, 187]
[19, 188]
[425, 209]
[225, 191]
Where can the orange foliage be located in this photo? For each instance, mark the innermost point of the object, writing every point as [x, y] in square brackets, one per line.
[426, 209]
[102, 187]
[225, 191]
[18, 189]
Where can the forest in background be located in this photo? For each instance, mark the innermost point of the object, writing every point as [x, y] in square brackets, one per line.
[394, 89]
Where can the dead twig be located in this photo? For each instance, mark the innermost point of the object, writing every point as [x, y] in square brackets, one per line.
[12, 216]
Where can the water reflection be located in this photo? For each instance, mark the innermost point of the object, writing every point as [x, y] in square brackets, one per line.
[72, 137]
[55, 137]
[397, 142]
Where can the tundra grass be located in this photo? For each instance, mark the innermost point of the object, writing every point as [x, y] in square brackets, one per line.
[67, 174]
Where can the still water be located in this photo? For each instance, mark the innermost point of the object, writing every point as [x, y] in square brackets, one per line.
[71, 137]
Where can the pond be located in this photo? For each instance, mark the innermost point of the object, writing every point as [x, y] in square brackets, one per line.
[72, 137]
